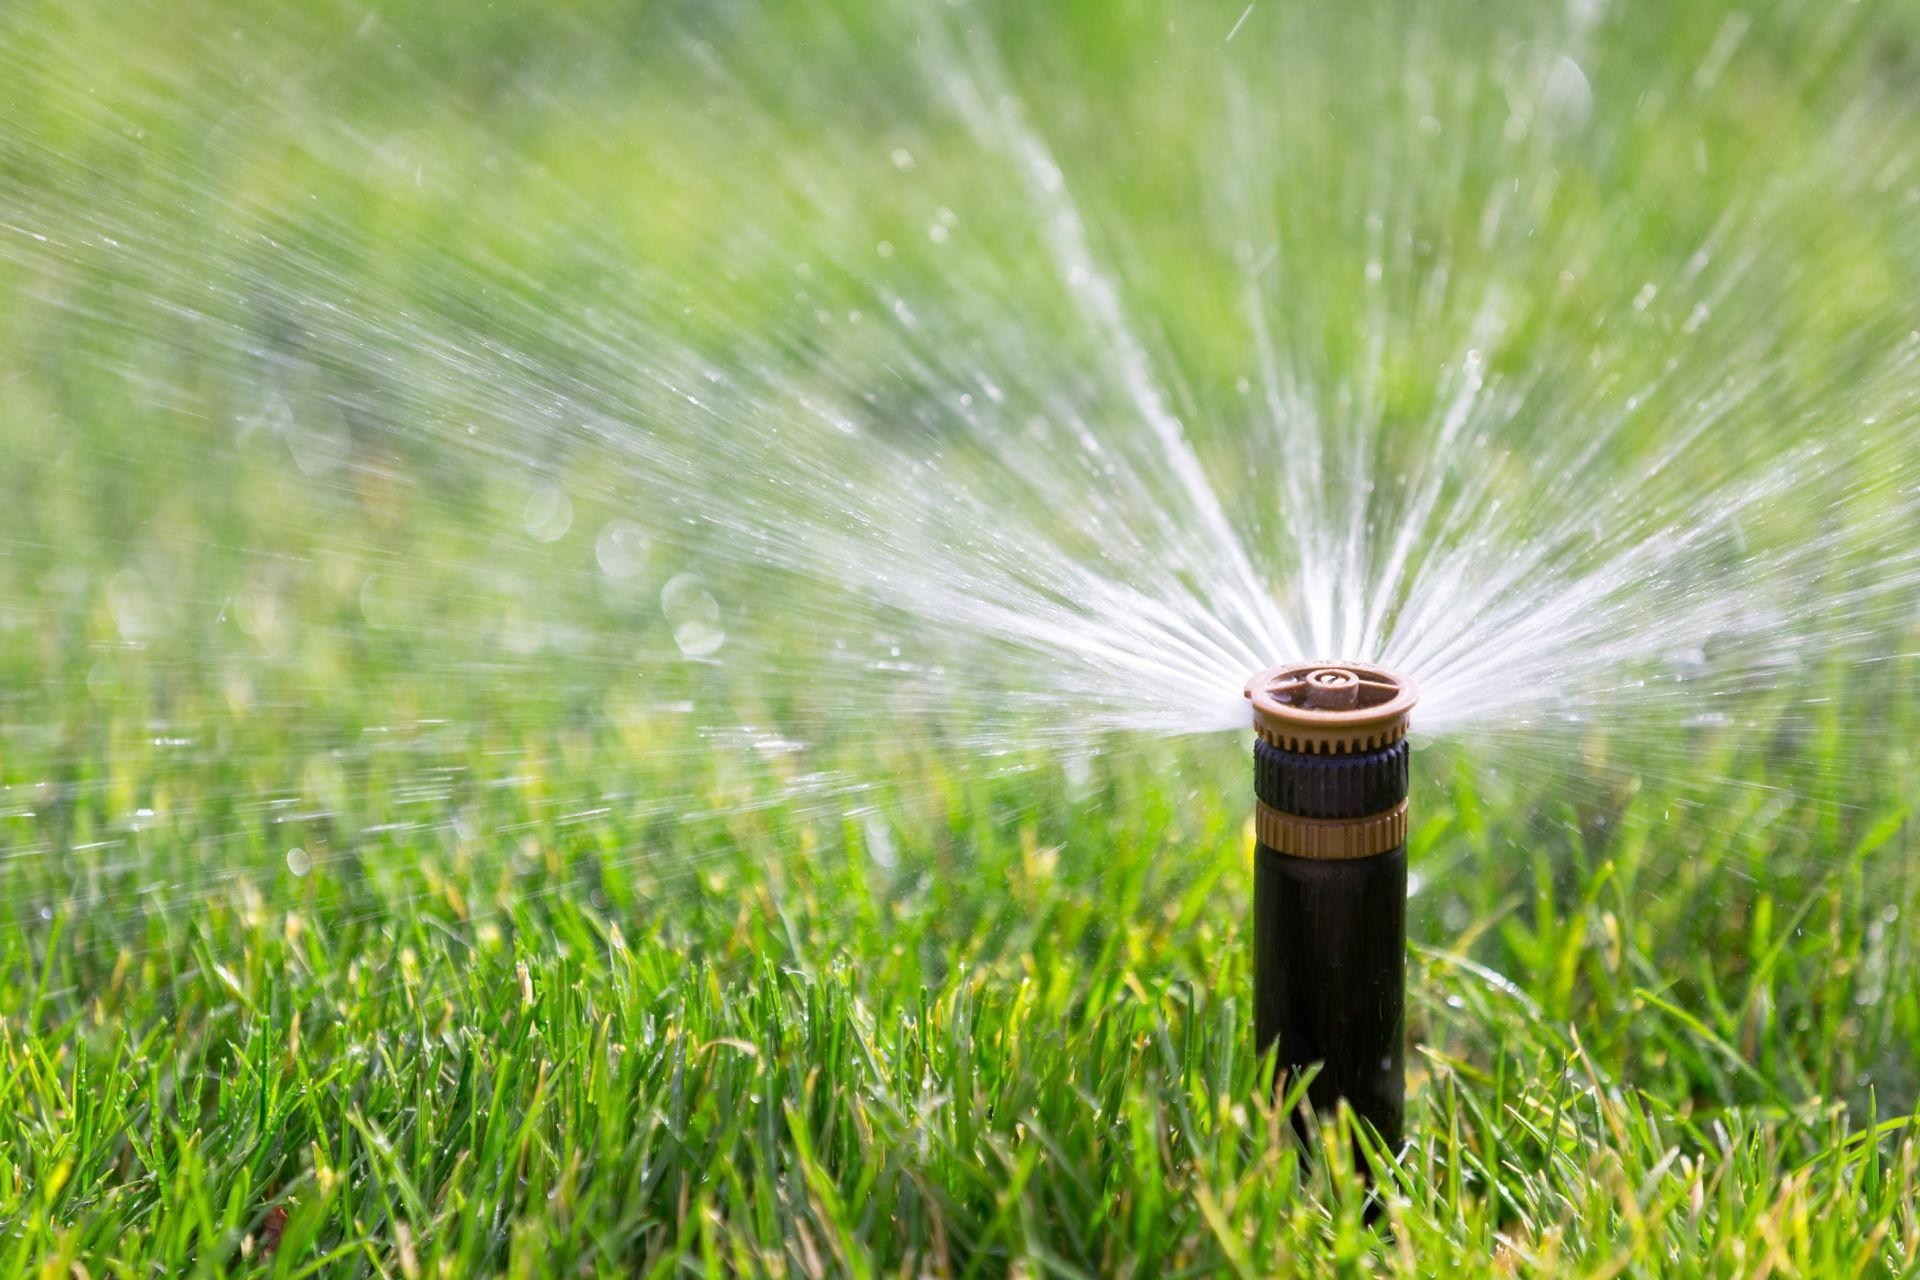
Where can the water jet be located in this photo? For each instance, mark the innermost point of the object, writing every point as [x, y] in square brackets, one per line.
[1330, 881]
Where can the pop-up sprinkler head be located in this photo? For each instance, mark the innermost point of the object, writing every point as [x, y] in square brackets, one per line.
[1330, 880]
[1331, 708]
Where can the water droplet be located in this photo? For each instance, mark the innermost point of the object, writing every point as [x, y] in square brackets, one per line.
[695, 616]
[549, 514]
[880, 845]
[622, 548]
[1546, 86]
[298, 861]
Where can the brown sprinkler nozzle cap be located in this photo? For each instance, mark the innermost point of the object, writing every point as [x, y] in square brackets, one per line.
[1331, 708]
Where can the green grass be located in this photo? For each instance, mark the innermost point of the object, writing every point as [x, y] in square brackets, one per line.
[1023, 1044]
[356, 919]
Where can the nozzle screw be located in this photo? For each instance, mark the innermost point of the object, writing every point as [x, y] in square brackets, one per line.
[1332, 689]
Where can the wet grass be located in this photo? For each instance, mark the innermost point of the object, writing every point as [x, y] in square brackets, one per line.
[375, 901]
[493, 1027]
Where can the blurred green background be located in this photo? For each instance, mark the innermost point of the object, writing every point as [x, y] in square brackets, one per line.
[387, 893]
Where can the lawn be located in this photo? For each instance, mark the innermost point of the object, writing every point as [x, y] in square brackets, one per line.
[401, 876]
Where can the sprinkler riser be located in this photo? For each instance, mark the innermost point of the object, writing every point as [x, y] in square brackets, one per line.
[1331, 774]
[1330, 979]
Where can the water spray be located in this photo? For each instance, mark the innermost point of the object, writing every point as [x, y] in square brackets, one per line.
[1330, 881]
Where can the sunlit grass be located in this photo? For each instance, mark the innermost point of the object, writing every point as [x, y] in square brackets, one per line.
[384, 893]
[1004, 1029]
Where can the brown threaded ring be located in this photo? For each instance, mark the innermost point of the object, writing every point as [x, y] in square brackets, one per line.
[1330, 839]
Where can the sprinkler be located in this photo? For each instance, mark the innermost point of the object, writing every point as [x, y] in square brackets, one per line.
[1330, 881]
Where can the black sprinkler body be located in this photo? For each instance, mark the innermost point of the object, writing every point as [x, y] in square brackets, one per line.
[1330, 882]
